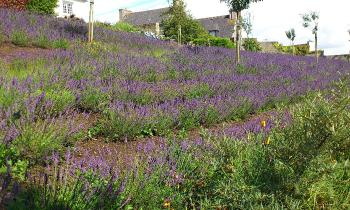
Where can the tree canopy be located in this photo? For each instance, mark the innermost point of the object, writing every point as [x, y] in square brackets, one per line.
[42, 6]
[239, 5]
[178, 17]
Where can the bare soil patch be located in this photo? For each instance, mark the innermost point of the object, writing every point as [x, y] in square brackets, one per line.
[9, 52]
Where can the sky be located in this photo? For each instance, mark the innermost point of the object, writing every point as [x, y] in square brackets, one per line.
[271, 18]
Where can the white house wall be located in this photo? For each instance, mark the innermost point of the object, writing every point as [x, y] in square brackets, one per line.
[80, 9]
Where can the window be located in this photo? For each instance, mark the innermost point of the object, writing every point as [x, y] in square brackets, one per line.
[214, 32]
[68, 8]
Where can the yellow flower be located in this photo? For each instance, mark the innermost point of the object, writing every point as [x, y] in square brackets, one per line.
[268, 140]
[166, 204]
[263, 123]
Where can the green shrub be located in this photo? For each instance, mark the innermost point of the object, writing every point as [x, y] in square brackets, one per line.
[39, 140]
[116, 127]
[60, 44]
[42, 6]
[298, 49]
[121, 26]
[251, 45]
[20, 38]
[93, 100]
[61, 100]
[214, 41]
[10, 158]
[42, 41]
[7, 97]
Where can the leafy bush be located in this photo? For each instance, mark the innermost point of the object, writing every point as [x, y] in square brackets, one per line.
[39, 140]
[20, 38]
[7, 97]
[121, 26]
[299, 49]
[251, 45]
[10, 159]
[42, 41]
[302, 166]
[60, 44]
[177, 16]
[93, 100]
[42, 6]
[214, 41]
[61, 100]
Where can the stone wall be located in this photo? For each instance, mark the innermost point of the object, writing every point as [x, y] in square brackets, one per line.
[14, 4]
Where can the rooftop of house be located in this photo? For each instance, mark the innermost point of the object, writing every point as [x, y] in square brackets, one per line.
[145, 17]
[222, 24]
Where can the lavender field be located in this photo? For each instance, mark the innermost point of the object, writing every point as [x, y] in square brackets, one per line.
[126, 87]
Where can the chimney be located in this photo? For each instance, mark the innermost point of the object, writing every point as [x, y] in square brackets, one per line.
[123, 13]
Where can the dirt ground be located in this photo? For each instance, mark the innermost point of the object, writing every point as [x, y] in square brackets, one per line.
[9, 52]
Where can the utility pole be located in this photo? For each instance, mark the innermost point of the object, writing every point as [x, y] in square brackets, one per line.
[91, 22]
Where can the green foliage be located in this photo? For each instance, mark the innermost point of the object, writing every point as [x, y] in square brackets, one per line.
[176, 18]
[61, 100]
[238, 5]
[121, 26]
[10, 159]
[304, 166]
[214, 41]
[247, 24]
[311, 20]
[116, 127]
[251, 45]
[93, 100]
[42, 41]
[42, 6]
[39, 140]
[299, 49]
[7, 97]
[60, 44]
[71, 193]
[291, 34]
[20, 38]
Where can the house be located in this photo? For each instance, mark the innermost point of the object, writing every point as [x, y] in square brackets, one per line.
[77, 8]
[221, 26]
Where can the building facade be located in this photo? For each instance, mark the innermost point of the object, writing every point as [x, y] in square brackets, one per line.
[77, 8]
[220, 26]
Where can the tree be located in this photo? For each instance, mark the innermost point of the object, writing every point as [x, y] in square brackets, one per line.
[291, 36]
[247, 24]
[178, 22]
[311, 21]
[42, 6]
[237, 6]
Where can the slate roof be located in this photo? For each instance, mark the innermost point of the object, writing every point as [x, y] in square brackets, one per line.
[146, 17]
[220, 23]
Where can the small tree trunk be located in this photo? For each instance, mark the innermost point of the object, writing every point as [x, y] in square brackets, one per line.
[238, 39]
[316, 50]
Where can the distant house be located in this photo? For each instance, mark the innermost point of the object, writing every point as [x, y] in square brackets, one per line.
[221, 26]
[77, 8]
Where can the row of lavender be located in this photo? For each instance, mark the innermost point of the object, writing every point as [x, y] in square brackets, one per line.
[34, 26]
[138, 93]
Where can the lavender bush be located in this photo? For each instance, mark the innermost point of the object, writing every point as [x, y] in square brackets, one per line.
[140, 87]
